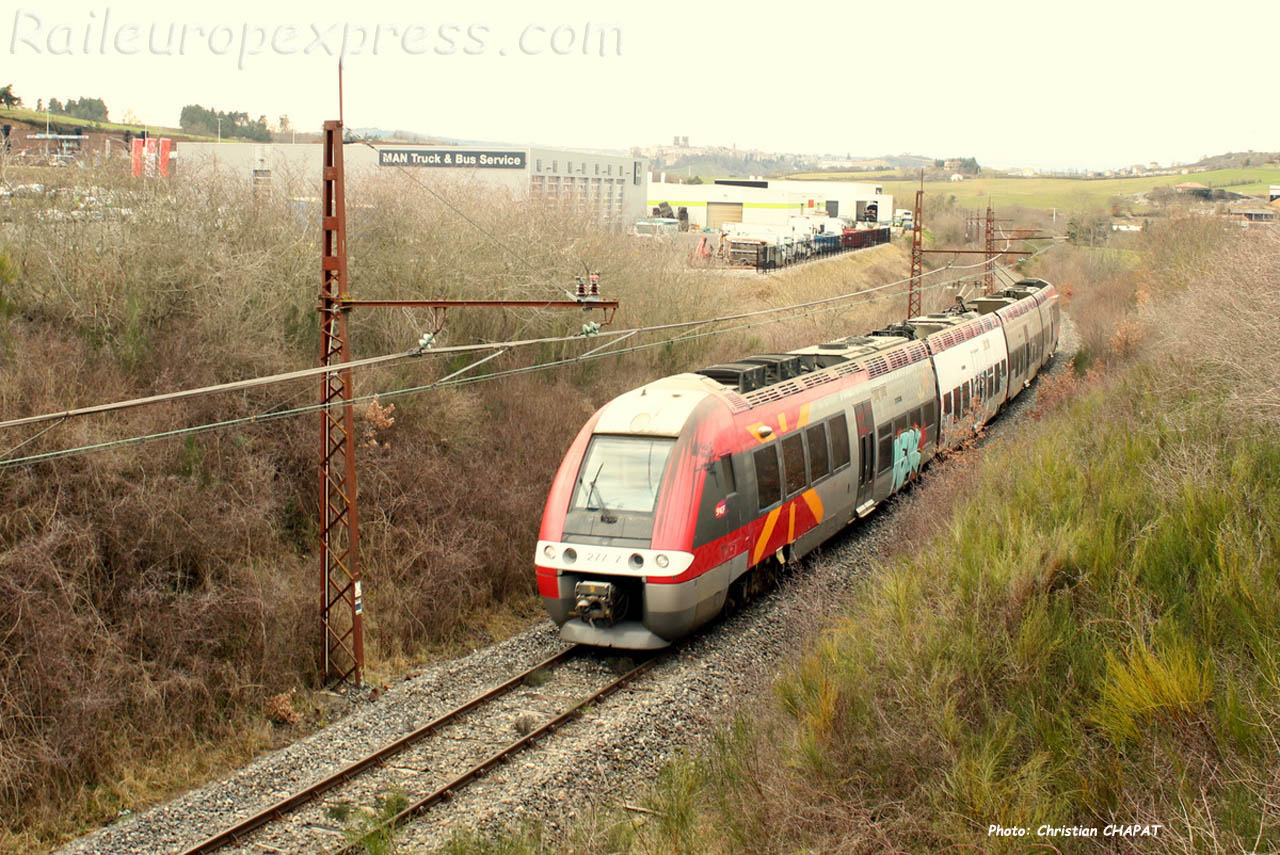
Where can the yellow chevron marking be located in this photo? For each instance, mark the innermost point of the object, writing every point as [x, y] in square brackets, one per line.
[782, 422]
[791, 525]
[804, 416]
[814, 501]
[762, 544]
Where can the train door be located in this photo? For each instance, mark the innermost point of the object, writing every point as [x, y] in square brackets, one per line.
[866, 456]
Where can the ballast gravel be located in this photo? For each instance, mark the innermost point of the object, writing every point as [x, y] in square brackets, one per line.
[613, 752]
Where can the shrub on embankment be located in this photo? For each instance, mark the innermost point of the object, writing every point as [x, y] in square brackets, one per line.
[1091, 636]
[153, 596]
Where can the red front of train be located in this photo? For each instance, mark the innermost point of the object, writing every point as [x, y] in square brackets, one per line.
[646, 526]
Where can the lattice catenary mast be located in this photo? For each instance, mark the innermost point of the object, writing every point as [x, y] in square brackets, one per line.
[342, 600]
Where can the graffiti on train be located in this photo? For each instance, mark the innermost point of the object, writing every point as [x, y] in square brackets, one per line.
[906, 456]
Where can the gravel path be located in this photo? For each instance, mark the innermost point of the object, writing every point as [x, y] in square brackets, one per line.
[613, 751]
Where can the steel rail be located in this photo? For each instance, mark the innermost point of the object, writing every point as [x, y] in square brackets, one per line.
[447, 790]
[237, 832]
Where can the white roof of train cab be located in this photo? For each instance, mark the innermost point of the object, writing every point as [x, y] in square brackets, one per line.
[660, 408]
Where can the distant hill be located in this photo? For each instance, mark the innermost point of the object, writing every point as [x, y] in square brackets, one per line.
[727, 165]
[1237, 160]
[908, 161]
[418, 138]
[402, 136]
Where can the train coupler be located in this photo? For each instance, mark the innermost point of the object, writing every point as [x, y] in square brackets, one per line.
[597, 602]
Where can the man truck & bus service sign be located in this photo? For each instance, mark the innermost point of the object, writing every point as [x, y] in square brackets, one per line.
[451, 157]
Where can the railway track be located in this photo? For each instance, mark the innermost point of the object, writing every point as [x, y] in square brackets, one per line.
[482, 713]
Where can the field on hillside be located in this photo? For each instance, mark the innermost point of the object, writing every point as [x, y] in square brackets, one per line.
[852, 175]
[1065, 194]
[33, 117]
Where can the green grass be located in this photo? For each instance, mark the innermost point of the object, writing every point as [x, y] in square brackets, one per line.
[1095, 626]
[21, 114]
[1063, 193]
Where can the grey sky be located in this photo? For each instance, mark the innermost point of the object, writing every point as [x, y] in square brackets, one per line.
[1086, 84]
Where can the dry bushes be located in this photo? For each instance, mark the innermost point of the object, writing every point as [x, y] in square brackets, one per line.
[1098, 290]
[1107, 289]
[1220, 332]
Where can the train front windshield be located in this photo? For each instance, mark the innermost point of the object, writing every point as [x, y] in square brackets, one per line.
[622, 473]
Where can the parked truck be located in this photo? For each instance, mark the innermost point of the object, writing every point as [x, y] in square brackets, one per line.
[656, 227]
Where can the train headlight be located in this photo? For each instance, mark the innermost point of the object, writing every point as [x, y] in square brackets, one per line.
[662, 561]
[549, 551]
[637, 560]
[570, 555]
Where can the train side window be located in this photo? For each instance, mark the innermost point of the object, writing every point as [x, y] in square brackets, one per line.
[768, 476]
[819, 459]
[884, 434]
[964, 398]
[839, 442]
[793, 463]
[721, 473]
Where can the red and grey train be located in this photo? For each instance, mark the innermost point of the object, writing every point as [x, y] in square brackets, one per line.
[676, 498]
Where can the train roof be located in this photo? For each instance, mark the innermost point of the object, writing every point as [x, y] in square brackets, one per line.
[660, 408]
[967, 320]
[760, 378]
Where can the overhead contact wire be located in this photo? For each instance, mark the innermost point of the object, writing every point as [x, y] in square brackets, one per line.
[303, 373]
[454, 379]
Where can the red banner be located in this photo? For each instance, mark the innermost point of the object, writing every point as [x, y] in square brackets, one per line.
[151, 157]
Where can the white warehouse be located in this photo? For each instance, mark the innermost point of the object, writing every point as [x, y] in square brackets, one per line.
[711, 206]
[770, 201]
[853, 200]
[613, 186]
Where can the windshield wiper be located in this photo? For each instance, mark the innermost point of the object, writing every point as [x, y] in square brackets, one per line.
[605, 516]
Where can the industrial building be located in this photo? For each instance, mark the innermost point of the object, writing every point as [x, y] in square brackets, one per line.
[612, 186]
[769, 201]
